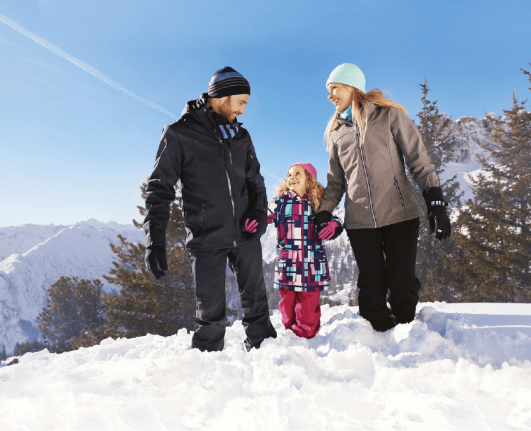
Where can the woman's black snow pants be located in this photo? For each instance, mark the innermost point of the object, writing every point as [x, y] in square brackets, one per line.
[386, 260]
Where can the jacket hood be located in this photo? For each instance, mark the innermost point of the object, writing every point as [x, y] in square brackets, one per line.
[196, 105]
[193, 107]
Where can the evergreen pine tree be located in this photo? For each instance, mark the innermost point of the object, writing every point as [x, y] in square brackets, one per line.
[494, 244]
[73, 306]
[436, 130]
[30, 346]
[144, 305]
[343, 273]
[3, 353]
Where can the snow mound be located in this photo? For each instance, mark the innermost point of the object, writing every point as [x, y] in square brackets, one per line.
[446, 370]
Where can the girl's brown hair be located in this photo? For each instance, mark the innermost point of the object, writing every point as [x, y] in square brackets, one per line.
[314, 189]
[359, 98]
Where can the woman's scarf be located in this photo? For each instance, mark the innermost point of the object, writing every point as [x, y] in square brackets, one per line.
[346, 114]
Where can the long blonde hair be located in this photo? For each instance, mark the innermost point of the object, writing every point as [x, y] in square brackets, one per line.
[314, 189]
[359, 98]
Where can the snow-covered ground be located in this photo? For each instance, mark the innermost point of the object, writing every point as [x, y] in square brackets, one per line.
[457, 366]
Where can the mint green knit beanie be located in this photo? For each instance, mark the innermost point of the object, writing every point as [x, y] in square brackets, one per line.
[348, 74]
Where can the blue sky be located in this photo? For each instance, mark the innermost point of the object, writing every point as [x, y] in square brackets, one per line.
[73, 147]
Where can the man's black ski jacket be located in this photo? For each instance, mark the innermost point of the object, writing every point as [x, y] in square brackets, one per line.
[220, 180]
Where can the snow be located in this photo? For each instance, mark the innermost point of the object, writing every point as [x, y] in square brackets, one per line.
[457, 366]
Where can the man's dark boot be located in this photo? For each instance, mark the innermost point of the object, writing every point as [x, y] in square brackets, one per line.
[255, 342]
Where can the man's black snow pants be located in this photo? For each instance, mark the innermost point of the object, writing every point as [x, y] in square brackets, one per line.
[386, 260]
[208, 269]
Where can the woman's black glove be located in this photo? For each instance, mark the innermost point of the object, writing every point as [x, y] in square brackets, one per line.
[321, 219]
[339, 231]
[258, 228]
[154, 254]
[437, 217]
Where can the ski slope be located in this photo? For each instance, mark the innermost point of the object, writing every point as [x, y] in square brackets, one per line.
[456, 367]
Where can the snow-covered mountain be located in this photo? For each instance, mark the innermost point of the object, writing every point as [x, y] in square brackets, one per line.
[34, 257]
[469, 133]
[468, 136]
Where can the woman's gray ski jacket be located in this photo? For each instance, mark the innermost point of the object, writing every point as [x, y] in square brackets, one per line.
[373, 176]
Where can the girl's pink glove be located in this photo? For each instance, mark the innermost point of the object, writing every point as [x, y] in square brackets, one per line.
[271, 218]
[250, 225]
[328, 232]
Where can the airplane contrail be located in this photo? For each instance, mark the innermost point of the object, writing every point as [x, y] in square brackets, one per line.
[94, 72]
[262, 169]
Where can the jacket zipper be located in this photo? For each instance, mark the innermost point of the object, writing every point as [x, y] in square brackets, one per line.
[303, 249]
[230, 193]
[398, 190]
[230, 157]
[230, 188]
[228, 183]
[368, 186]
[201, 218]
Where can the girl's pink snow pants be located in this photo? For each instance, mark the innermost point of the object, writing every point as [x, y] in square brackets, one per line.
[301, 312]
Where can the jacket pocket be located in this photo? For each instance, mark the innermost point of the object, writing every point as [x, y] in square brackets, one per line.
[283, 271]
[315, 248]
[319, 270]
[285, 266]
[399, 193]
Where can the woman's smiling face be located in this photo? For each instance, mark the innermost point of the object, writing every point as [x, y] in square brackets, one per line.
[340, 95]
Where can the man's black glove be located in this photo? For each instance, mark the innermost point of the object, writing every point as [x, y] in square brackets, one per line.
[321, 220]
[437, 218]
[260, 226]
[154, 254]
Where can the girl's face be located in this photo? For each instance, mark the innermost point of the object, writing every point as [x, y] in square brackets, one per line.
[340, 96]
[297, 180]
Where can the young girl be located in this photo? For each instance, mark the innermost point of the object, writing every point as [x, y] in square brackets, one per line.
[301, 271]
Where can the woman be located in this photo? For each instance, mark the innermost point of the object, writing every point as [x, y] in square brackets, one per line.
[371, 140]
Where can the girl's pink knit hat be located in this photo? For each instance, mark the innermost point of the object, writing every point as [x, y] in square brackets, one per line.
[308, 167]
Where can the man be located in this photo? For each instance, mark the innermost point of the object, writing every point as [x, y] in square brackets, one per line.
[224, 202]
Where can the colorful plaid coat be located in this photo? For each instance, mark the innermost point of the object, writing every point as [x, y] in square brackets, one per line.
[301, 263]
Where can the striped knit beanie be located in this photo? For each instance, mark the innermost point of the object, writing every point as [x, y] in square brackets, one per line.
[228, 82]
